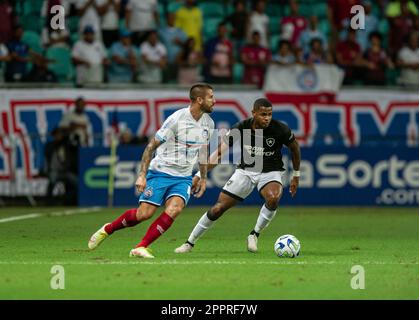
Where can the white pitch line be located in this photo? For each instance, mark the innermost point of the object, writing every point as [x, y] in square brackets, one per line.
[195, 262]
[51, 214]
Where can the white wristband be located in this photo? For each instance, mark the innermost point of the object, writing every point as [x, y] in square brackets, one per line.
[296, 173]
[198, 174]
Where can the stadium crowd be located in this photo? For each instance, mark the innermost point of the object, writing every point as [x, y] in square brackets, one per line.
[221, 42]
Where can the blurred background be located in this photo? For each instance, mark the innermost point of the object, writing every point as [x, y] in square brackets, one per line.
[79, 104]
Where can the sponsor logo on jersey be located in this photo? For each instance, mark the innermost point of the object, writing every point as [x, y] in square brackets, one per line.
[258, 151]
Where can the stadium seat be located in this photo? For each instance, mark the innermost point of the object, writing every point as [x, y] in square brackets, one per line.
[73, 23]
[324, 26]
[62, 67]
[32, 22]
[273, 9]
[210, 27]
[274, 25]
[319, 9]
[273, 42]
[174, 6]
[162, 15]
[212, 9]
[32, 7]
[306, 10]
[238, 72]
[383, 27]
[33, 40]
[392, 76]
[74, 37]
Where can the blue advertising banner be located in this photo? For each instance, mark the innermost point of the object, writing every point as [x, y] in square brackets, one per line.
[329, 176]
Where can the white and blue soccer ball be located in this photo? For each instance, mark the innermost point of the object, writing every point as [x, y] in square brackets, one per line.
[287, 246]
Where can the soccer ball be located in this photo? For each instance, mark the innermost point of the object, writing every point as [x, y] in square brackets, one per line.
[287, 246]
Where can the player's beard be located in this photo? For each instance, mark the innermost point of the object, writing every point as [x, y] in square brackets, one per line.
[207, 108]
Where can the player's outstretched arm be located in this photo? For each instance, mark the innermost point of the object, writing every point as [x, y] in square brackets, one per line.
[294, 148]
[140, 184]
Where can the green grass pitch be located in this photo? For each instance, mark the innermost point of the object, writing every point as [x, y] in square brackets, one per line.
[384, 241]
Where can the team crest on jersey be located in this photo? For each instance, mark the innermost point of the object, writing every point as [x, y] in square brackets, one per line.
[270, 142]
[205, 133]
[148, 192]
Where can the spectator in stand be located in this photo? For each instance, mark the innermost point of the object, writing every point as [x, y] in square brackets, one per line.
[394, 8]
[76, 123]
[416, 26]
[89, 56]
[4, 57]
[310, 33]
[401, 26]
[349, 57]
[126, 137]
[219, 57]
[189, 61]
[20, 55]
[123, 60]
[8, 20]
[255, 58]
[189, 18]
[109, 13]
[317, 53]
[293, 25]
[338, 12]
[88, 12]
[141, 17]
[61, 166]
[259, 21]
[173, 39]
[362, 35]
[285, 55]
[153, 59]
[54, 37]
[408, 61]
[238, 21]
[377, 61]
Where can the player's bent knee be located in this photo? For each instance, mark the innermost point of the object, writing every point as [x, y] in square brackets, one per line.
[174, 209]
[272, 202]
[145, 214]
[215, 212]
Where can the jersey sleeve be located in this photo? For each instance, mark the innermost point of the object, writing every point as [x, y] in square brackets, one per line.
[168, 129]
[288, 136]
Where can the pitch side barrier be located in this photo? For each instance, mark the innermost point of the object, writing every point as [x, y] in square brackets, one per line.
[329, 176]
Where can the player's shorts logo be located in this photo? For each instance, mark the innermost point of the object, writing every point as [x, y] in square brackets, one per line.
[270, 142]
[229, 182]
[148, 192]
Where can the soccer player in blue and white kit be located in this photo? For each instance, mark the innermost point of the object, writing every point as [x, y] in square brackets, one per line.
[180, 143]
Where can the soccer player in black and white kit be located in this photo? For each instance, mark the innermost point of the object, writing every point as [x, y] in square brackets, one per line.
[265, 172]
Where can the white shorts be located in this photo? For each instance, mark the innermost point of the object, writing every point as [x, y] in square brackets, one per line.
[242, 182]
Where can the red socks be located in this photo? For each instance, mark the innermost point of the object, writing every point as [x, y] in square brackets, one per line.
[157, 228]
[127, 219]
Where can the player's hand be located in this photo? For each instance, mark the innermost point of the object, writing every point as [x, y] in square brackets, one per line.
[141, 183]
[195, 182]
[294, 185]
[202, 186]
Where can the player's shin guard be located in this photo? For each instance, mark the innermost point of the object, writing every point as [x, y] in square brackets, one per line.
[156, 229]
[265, 217]
[201, 227]
[127, 219]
